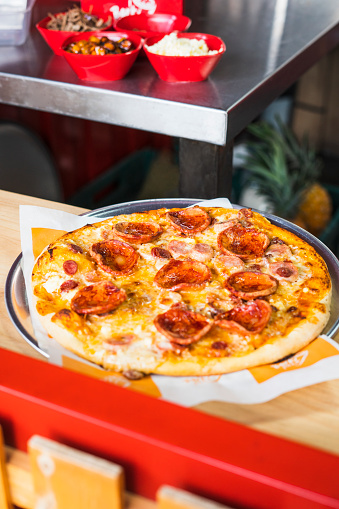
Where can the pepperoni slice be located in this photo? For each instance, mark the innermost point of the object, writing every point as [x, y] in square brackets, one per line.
[68, 285]
[179, 248]
[181, 326]
[285, 271]
[245, 216]
[251, 317]
[220, 227]
[191, 220]
[278, 250]
[247, 243]
[70, 267]
[75, 249]
[229, 263]
[114, 256]
[97, 299]
[115, 343]
[182, 274]
[245, 213]
[160, 252]
[137, 233]
[202, 252]
[250, 285]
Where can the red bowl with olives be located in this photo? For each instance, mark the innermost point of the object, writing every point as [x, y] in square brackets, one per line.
[102, 56]
[56, 28]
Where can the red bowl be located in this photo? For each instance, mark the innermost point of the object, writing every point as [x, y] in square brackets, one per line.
[149, 25]
[56, 38]
[102, 67]
[186, 68]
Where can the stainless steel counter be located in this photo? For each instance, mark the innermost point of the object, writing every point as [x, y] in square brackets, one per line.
[270, 43]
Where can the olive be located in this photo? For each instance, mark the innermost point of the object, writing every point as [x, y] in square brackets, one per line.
[75, 48]
[93, 38]
[98, 51]
[109, 46]
[126, 45]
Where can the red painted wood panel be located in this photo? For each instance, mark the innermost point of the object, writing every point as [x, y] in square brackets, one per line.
[159, 442]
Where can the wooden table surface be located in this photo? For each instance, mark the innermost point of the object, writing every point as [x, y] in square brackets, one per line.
[309, 415]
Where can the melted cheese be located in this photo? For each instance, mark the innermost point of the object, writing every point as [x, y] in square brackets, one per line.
[53, 283]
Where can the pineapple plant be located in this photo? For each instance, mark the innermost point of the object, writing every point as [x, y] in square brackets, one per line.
[285, 173]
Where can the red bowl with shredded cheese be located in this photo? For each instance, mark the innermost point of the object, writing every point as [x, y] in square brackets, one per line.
[184, 57]
[56, 38]
[109, 67]
[150, 25]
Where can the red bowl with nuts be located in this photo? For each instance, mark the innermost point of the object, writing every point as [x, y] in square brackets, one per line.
[102, 56]
[149, 25]
[55, 29]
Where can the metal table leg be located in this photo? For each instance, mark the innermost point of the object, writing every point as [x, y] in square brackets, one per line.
[205, 169]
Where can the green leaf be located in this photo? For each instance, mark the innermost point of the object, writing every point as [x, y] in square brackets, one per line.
[280, 166]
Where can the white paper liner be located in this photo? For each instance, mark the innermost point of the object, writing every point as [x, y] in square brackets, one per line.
[239, 387]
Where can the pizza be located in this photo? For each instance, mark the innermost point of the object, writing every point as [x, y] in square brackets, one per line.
[183, 291]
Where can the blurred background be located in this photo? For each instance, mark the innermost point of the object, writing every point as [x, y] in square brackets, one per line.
[92, 164]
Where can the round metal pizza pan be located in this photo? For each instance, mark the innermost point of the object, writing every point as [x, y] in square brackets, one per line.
[15, 292]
